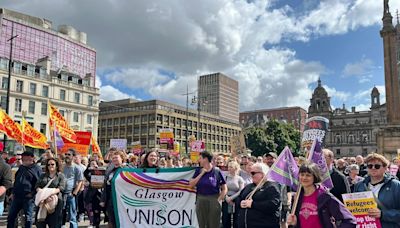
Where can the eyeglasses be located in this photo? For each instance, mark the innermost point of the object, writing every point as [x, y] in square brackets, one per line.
[19, 159]
[68, 154]
[376, 166]
[254, 173]
[51, 164]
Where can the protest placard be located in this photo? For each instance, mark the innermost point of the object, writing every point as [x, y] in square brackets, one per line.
[119, 144]
[316, 127]
[358, 204]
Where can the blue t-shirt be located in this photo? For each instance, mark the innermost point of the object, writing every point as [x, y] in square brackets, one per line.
[73, 174]
[210, 182]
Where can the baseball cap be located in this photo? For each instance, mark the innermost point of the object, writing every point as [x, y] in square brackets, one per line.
[272, 154]
[28, 153]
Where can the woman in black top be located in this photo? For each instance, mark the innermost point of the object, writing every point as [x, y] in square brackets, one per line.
[52, 172]
[151, 160]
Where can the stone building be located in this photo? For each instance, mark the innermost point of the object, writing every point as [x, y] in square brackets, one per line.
[351, 132]
[47, 64]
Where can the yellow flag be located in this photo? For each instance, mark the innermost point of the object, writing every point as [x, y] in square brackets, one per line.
[63, 128]
[32, 137]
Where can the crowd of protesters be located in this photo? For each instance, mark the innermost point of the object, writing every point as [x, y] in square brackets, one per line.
[231, 191]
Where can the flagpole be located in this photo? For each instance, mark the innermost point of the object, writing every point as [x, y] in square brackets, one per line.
[296, 200]
[54, 139]
[23, 130]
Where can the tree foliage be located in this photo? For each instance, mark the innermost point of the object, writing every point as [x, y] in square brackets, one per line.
[272, 137]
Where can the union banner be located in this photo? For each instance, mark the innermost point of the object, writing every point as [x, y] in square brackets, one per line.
[9, 127]
[32, 137]
[62, 125]
[150, 199]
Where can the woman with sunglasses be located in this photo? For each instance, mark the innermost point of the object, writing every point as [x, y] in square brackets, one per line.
[259, 201]
[317, 207]
[52, 173]
[385, 188]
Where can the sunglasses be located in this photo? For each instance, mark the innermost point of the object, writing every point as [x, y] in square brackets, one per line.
[375, 166]
[68, 154]
[51, 164]
[19, 159]
[254, 173]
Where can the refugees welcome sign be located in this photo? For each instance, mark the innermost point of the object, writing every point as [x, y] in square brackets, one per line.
[154, 199]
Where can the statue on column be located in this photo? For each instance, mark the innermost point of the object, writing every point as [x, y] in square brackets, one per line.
[385, 6]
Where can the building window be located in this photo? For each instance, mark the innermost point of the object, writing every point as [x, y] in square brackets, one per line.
[62, 112]
[45, 91]
[3, 102]
[4, 63]
[43, 128]
[32, 88]
[62, 94]
[42, 73]
[76, 117]
[77, 98]
[44, 109]
[17, 67]
[31, 108]
[90, 100]
[4, 83]
[89, 119]
[31, 70]
[20, 86]
[18, 105]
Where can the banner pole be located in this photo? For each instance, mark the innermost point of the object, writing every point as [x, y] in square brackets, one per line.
[54, 140]
[296, 200]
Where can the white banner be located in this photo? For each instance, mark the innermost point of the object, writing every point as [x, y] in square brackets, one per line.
[150, 199]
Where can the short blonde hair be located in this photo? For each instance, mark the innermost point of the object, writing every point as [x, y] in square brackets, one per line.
[379, 157]
[234, 165]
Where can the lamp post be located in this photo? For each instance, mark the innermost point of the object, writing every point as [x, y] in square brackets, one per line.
[187, 118]
[9, 76]
[199, 101]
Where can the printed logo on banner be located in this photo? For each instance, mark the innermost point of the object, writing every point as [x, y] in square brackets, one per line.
[162, 199]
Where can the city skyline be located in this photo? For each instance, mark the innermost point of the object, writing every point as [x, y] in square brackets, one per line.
[277, 50]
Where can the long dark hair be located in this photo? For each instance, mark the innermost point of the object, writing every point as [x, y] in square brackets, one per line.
[58, 167]
[146, 163]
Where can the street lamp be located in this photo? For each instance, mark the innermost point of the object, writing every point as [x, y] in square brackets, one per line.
[187, 118]
[200, 101]
[9, 76]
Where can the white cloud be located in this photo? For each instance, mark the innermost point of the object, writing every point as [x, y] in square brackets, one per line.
[339, 95]
[109, 93]
[190, 38]
[361, 69]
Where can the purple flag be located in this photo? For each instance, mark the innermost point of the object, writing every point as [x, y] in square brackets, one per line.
[285, 170]
[317, 157]
[57, 138]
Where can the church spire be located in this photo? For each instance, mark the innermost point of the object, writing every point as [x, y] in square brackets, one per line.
[387, 17]
[319, 82]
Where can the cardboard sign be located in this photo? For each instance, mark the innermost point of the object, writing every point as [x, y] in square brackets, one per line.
[97, 177]
[166, 140]
[238, 145]
[137, 147]
[197, 146]
[81, 146]
[316, 127]
[119, 144]
[358, 204]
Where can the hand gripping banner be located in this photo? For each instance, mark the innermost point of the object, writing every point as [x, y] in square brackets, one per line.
[150, 199]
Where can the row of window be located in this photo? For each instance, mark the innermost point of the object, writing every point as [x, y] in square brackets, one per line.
[45, 91]
[43, 109]
[167, 120]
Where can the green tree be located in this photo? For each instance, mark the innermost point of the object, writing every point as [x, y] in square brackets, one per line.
[272, 137]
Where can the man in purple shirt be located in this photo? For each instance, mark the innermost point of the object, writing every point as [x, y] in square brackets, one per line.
[211, 190]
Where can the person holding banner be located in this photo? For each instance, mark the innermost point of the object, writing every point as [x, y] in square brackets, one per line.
[151, 159]
[211, 190]
[316, 206]
[117, 159]
[259, 201]
[385, 189]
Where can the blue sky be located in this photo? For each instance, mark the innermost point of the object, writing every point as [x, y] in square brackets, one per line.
[276, 49]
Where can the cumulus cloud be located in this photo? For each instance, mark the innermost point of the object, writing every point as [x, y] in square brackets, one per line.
[109, 93]
[339, 95]
[361, 69]
[135, 39]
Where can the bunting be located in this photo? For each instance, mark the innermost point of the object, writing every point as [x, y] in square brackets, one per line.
[32, 137]
[62, 125]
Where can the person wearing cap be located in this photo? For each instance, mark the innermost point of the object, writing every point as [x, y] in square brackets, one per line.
[4, 156]
[23, 194]
[269, 158]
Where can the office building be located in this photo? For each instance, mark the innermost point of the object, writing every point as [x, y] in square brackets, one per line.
[219, 95]
[47, 64]
[142, 120]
